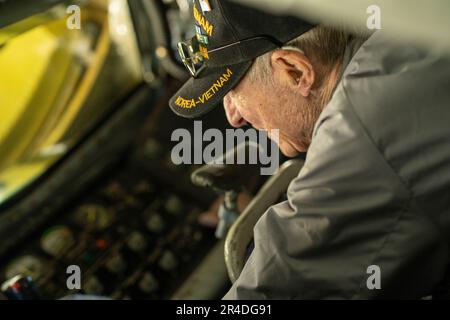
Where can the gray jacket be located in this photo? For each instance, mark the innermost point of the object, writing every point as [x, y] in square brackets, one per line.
[374, 190]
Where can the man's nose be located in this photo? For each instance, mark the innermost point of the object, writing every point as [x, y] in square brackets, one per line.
[233, 115]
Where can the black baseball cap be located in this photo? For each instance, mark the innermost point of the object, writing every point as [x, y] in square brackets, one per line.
[229, 36]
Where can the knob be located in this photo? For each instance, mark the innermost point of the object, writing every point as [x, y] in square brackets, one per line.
[168, 261]
[116, 264]
[148, 283]
[136, 241]
[155, 223]
[93, 286]
[20, 288]
[174, 205]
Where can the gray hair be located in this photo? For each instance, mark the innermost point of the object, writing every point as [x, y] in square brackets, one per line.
[322, 44]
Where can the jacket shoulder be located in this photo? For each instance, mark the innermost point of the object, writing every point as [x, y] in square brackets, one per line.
[400, 97]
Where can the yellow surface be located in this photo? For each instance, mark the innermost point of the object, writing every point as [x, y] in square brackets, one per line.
[34, 66]
[44, 82]
[19, 175]
[14, 30]
[80, 96]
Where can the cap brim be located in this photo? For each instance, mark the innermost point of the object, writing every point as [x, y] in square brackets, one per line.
[200, 95]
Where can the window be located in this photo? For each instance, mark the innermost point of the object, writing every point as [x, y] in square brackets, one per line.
[56, 84]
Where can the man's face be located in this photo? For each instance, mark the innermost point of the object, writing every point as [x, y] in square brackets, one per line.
[251, 104]
[274, 104]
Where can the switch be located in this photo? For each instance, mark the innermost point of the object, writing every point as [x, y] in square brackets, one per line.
[148, 283]
[136, 241]
[168, 261]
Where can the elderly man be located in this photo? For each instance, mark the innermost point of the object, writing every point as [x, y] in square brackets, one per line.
[369, 214]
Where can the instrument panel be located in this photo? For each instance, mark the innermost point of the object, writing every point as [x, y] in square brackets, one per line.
[132, 236]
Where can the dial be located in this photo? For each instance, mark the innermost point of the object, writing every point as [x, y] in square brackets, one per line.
[136, 241]
[173, 205]
[114, 191]
[93, 217]
[116, 264]
[27, 265]
[148, 283]
[144, 188]
[93, 286]
[56, 240]
[155, 223]
[168, 261]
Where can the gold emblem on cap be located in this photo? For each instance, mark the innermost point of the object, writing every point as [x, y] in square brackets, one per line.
[204, 4]
[215, 87]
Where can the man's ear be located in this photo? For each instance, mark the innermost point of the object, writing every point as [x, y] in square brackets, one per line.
[295, 69]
